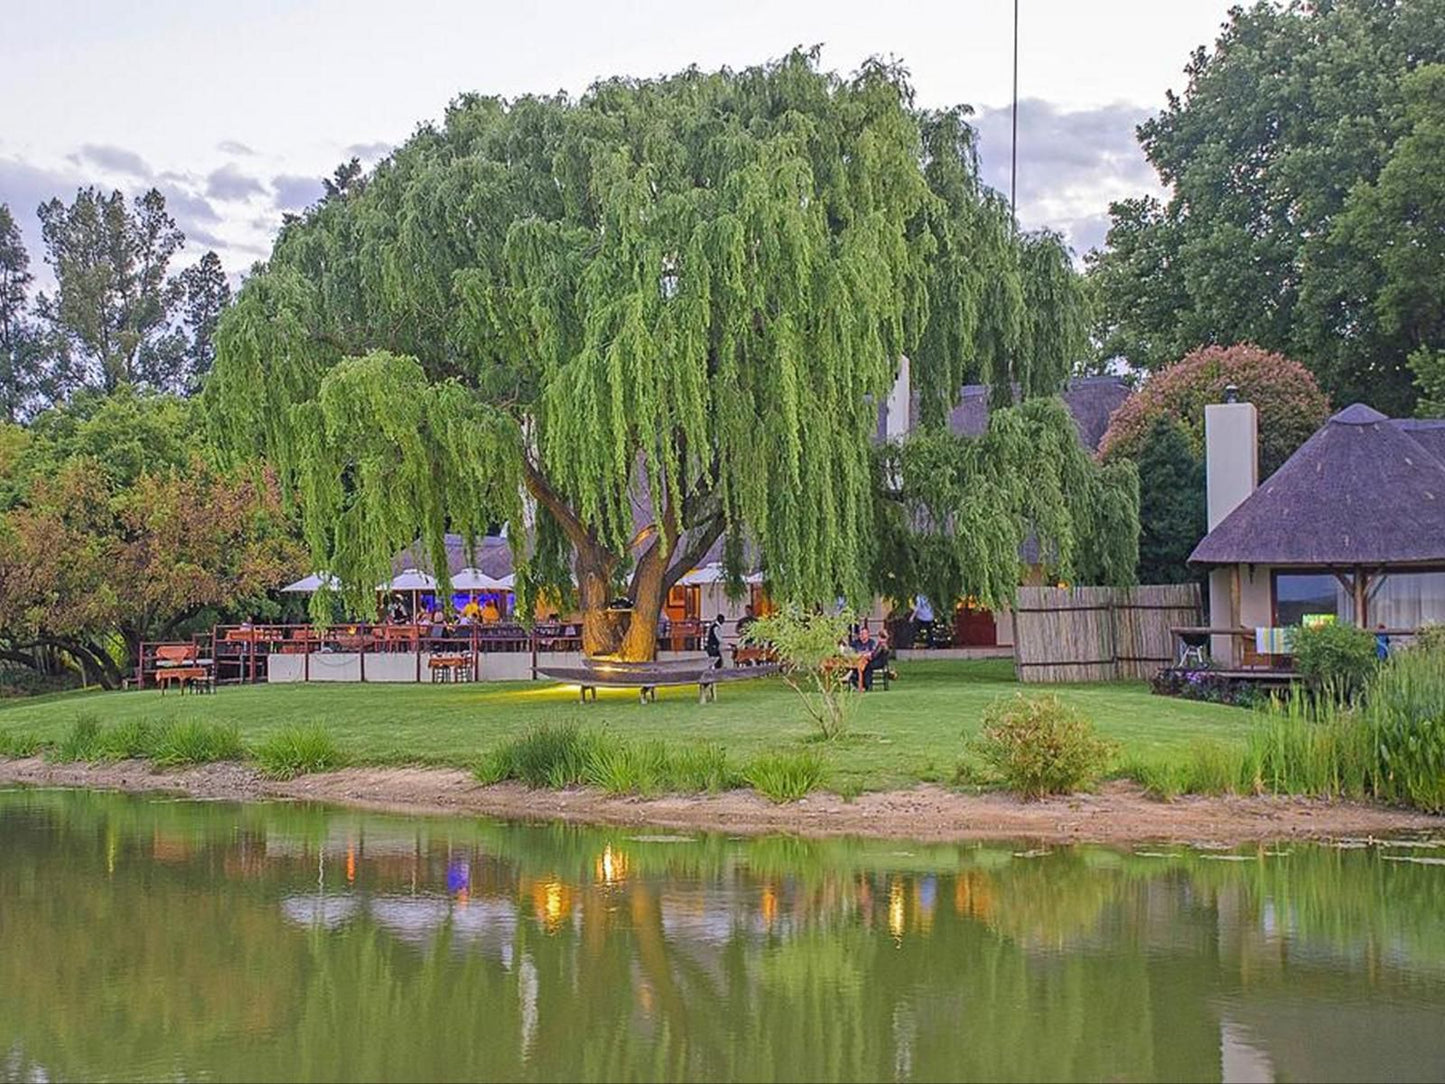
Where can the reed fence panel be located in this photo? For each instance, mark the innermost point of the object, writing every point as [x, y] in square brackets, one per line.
[1099, 633]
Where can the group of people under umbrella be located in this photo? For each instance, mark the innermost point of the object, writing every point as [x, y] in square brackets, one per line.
[477, 597]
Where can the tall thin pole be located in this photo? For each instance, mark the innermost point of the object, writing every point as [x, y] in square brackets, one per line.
[1013, 180]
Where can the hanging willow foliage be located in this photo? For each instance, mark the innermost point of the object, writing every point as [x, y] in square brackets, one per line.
[667, 310]
[960, 516]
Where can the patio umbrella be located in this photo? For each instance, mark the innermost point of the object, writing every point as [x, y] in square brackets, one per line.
[309, 585]
[707, 574]
[474, 579]
[411, 580]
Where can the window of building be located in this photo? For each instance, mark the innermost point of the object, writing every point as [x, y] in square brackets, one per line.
[1407, 600]
[1298, 595]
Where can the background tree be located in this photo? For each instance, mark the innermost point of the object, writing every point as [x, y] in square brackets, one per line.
[1290, 403]
[956, 513]
[1292, 110]
[1172, 516]
[20, 340]
[206, 294]
[118, 533]
[1384, 261]
[117, 315]
[667, 310]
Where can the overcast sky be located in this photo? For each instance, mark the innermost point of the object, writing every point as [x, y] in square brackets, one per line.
[235, 110]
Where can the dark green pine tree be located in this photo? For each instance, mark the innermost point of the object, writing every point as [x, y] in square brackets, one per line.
[1172, 514]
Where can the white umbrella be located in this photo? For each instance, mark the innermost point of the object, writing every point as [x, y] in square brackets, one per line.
[410, 579]
[474, 579]
[707, 574]
[309, 585]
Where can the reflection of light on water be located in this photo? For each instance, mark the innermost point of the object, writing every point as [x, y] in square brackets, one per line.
[611, 866]
[527, 996]
[895, 909]
[552, 901]
[350, 863]
[769, 905]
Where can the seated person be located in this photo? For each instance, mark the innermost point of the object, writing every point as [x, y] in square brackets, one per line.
[875, 651]
[490, 612]
[472, 611]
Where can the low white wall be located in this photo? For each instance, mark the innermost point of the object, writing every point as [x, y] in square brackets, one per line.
[400, 666]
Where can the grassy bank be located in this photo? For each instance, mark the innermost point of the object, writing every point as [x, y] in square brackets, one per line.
[913, 733]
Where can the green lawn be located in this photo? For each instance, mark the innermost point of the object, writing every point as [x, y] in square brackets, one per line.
[913, 732]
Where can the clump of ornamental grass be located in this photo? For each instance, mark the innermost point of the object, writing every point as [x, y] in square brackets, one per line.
[196, 741]
[17, 745]
[298, 749]
[82, 742]
[553, 756]
[785, 777]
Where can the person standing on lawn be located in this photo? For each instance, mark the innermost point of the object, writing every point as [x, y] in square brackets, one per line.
[713, 643]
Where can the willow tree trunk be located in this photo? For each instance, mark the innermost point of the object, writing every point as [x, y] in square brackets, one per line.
[649, 589]
[602, 628]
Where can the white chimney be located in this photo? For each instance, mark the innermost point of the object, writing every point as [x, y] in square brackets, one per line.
[1231, 465]
[1231, 455]
[898, 404]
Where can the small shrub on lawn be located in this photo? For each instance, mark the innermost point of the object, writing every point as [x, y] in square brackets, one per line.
[1335, 660]
[785, 777]
[195, 741]
[128, 740]
[81, 741]
[1040, 746]
[1404, 711]
[298, 749]
[18, 745]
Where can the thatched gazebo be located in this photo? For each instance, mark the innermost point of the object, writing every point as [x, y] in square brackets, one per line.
[1352, 526]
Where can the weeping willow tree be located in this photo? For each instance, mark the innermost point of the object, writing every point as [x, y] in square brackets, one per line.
[958, 516]
[634, 325]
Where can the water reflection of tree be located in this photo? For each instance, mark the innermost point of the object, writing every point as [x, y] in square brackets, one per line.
[779, 959]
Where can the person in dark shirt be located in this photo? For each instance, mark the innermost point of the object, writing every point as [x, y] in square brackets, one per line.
[713, 644]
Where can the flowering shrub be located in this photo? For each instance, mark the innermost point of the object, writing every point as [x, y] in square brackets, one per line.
[1206, 685]
[1290, 403]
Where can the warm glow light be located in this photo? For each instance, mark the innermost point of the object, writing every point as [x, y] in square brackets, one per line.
[895, 909]
[350, 862]
[770, 905]
[611, 866]
[552, 901]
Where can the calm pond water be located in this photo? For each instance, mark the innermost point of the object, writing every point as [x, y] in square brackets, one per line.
[151, 938]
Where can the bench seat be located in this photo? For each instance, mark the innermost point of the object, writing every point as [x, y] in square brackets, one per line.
[648, 677]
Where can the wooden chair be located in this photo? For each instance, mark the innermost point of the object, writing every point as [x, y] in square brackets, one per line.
[450, 668]
[180, 664]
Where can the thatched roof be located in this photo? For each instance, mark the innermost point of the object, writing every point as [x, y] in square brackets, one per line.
[1090, 399]
[1363, 490]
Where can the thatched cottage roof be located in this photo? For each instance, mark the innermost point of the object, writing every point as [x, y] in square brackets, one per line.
[1090, 399]
[1364, 490]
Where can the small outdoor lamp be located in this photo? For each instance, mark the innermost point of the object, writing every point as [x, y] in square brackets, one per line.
[1231, 393]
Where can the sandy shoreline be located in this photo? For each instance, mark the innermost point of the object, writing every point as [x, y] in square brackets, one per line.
[1118, 813]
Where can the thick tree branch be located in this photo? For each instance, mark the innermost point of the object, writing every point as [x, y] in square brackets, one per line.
[703, 538]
